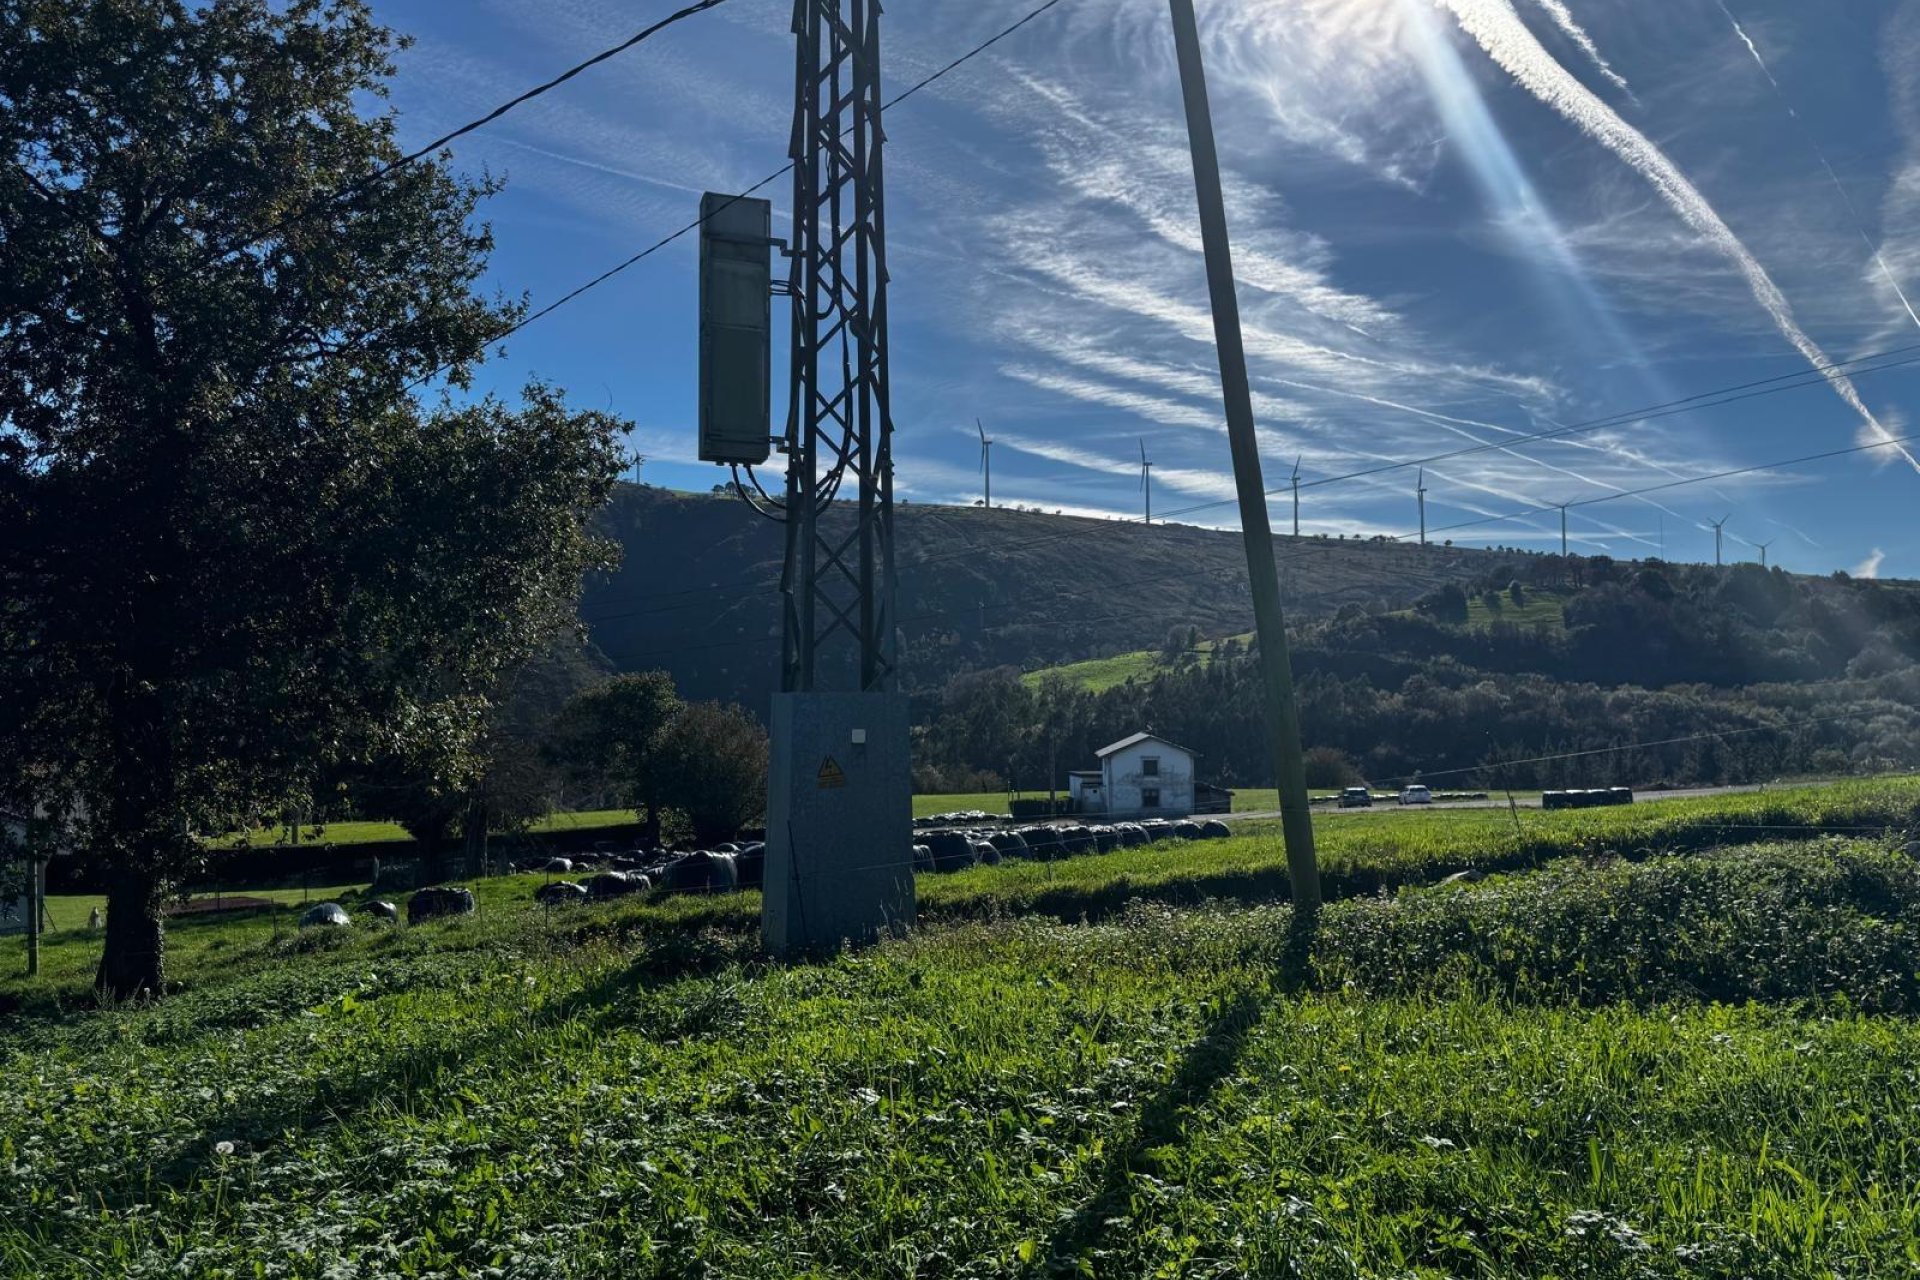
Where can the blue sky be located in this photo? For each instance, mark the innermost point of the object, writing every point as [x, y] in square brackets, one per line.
[1454, 221]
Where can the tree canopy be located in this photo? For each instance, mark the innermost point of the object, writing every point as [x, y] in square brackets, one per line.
[240, 551]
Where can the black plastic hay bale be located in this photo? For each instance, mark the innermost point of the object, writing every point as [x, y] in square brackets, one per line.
[952, 851]
[1214, 829]
[703, 872]
[1105, 839]
[429, 904]
[1078, 839]
[1042, 842]
[985, 853]
[1132, 835]
[326, 915]
[560, 893]
[1010, 844]
[922, 858]
[617, 884]
[751, 864]
[1157, 829]
[1187, 830]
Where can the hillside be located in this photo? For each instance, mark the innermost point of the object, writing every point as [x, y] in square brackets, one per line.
[697, 593]
[1577, 673]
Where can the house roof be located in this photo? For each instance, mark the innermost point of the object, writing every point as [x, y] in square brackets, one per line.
[1083, 773]
[1137, 738]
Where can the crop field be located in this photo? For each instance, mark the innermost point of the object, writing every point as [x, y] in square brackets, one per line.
[1673, 1041]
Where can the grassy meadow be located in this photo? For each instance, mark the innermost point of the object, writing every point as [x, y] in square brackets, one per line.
[1670, 1041]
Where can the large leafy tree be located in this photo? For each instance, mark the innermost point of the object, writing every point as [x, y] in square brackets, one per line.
[713, 763]
[610, 736]
[238, 552]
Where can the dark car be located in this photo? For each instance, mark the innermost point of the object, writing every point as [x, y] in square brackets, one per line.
[1356, 798]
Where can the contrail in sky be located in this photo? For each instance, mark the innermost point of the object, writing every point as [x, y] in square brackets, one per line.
[1506, 39]
[1859, 223]
[1563, 18]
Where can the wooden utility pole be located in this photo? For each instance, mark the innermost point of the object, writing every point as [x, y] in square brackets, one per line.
[1283, 720]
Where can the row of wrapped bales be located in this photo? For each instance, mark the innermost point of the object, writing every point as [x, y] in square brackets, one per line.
[947, 851]
[726, 869]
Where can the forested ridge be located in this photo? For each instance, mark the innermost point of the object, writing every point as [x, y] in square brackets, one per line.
[696, 592]
[1756, 673]
[1410, 660]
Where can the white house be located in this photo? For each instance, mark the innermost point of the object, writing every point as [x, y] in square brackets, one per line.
[1141, 776]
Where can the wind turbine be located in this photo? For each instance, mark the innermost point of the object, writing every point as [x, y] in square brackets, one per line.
[1718, 527]
[1146, 480]
[986, 460]
[1296, 495]
[1763, 550]
[1420, 492]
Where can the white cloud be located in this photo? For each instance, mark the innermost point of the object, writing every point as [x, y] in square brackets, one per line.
[1563, 18]
[1499, 31]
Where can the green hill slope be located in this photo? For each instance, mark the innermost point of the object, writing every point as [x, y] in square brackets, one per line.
[698, 593]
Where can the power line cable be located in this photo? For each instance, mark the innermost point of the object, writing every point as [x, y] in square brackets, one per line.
[1675, 484]
[1797, 380]
[766, 586]
[777, 174]
[347, 194]
[1638, 746]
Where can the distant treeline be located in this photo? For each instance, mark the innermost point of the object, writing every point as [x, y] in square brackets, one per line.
[1722, 674]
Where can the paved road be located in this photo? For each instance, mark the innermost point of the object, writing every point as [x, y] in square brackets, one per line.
[1500, 802]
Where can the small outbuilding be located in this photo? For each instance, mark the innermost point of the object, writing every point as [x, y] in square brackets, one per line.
[1141, 776]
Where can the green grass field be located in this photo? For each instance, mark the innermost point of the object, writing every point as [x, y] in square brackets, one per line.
[1097, 675]
[1541, 607]
[1674, 1041]
[387, 832]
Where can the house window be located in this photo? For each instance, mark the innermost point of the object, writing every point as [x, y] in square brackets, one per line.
[1150, 798]
[1150, 766]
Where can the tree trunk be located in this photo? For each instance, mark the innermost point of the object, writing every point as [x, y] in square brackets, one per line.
[134, 960]
[431, 861]
[650, 834]
[475, 830]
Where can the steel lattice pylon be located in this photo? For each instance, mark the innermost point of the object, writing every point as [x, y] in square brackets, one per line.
[839, 575]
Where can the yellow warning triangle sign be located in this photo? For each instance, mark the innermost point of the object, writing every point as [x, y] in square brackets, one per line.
[831, 774]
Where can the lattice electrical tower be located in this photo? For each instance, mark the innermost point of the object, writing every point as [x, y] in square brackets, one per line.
[839, 577]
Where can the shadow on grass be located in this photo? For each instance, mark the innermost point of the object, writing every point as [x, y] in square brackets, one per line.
[1212, 1057]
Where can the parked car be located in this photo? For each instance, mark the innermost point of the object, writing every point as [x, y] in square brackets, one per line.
[1416, 794]
[1356, 798]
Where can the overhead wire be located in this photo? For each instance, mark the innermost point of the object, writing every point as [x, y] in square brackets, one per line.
[346, 195]
[764, 585]
[1096, 527]
[1888, 443]
[673, 236]
[1637, 746]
